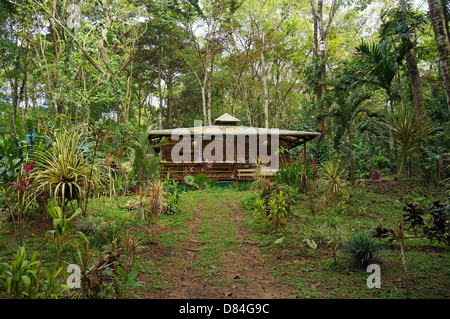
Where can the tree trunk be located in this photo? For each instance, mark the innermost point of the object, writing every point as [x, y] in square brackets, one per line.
[411, 63]
[416, 84]
[266, 90]
[205, 117]
[320, 47]
[352, 173]
[169, 100]
[209, 90]
[160, 94]
[442, 42]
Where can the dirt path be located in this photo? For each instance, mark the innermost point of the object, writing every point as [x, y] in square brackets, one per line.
[245, 272]
[248, 265]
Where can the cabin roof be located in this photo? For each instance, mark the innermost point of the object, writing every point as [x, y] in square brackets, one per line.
[293, 138]
[227, 129]
[226, 119]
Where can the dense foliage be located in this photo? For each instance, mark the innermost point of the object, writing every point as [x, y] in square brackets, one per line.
[82, 84]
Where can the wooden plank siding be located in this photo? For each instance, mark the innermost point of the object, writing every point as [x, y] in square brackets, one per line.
[222, 169]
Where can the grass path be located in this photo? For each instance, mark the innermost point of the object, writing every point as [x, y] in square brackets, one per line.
[216, 259]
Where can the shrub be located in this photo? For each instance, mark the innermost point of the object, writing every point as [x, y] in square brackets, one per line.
[92, 226]
[289, 174]
[152, 203]
[22, 278]
[273, 209]
[434, 222]
[332, 179]
[64, 171]
[364, 247]
[172, 196]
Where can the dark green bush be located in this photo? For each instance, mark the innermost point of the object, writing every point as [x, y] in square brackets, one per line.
[364, 247]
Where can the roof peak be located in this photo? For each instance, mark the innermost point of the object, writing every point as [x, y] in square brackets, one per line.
[225, 119]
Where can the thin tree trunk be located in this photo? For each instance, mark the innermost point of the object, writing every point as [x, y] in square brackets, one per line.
[266, 89]
[411, 63]
[416, 84]
[160, 94]
[320, 47]
[352, 173]
[209, 90]
[442, 42]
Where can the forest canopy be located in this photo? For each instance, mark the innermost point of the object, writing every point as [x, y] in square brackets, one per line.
[334, 66]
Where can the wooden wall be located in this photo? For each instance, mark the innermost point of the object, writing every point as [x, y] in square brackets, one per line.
[235, 156]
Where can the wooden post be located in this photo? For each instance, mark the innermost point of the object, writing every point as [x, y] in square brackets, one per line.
[306, 158]
[235, 158]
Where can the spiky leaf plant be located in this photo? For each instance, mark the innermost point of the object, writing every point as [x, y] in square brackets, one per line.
[332, 181]
[64, 169]
[409, 131]
[364, 247]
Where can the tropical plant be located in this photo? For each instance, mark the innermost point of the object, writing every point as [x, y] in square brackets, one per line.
[331, 180]
[21, 275]
[272, 210]
[345, 110]
[433, 222]
[60, 220]
[440, 225]
[152, 202]
[19, 200]
[335, 238]
[130, 245]
[172, 195]
[101, 275]
[84, 259]
[51, 287]
[126, 282]
[379, 63]
[9, 160]
[96, 133]
[259, 179]
[198, 181]
[64, 171]
[364, 247]
[310, 188]
[61, 224]
[146, 162]
[289, 174]
[409, 130]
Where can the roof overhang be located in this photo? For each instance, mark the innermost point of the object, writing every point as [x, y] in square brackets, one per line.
[292, 138]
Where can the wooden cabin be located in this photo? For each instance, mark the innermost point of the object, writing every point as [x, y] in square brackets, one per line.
[225, 151]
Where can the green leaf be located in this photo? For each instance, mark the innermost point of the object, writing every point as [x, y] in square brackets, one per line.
[133, 274]
[19, 129]
[122, 273]
[189, 179]
[311, 243]
[26, 281]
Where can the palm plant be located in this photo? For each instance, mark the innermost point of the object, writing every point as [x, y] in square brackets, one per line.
[63, 170]
[409, 131]
[379, 63]
[345, 110]
[146, 162]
